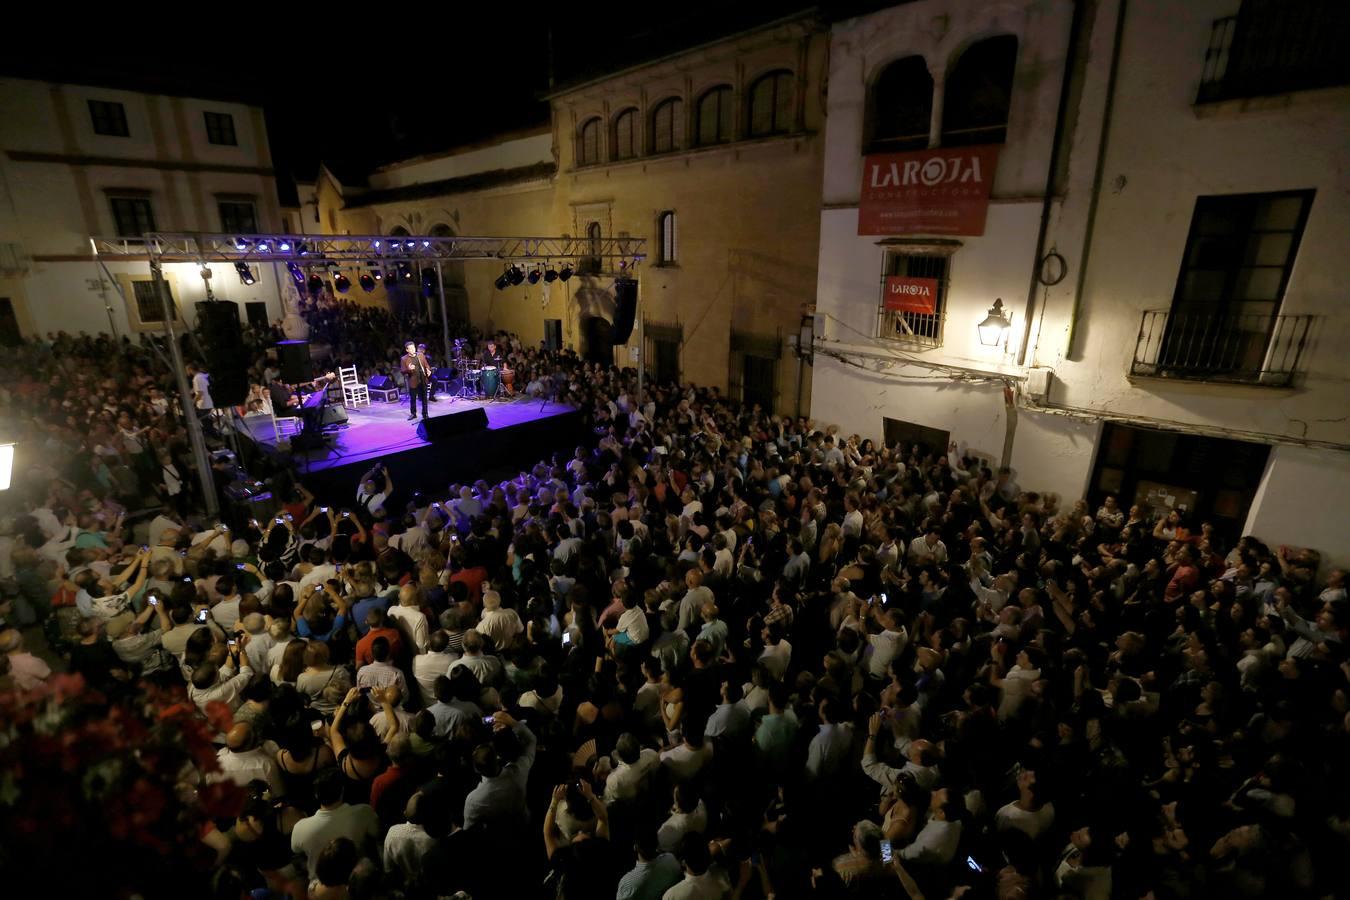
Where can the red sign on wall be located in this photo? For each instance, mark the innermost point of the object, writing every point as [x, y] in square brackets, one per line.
[927, 191]
[914, 295]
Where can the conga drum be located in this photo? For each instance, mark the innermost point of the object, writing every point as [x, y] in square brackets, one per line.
[509, 380]
[491, 378]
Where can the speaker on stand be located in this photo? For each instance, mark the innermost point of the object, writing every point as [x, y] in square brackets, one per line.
[293, 359]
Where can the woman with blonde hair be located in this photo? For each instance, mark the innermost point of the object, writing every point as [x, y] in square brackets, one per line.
[324, 683]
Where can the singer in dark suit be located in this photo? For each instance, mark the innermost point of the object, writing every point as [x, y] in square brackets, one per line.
[416, 372]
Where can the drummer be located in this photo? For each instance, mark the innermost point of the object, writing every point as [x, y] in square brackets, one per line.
[491, 356]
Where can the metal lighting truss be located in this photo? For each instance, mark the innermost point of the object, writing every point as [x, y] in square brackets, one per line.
[322, 249]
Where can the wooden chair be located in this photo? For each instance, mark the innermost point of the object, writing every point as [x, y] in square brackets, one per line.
[354, 393]
[278, 421]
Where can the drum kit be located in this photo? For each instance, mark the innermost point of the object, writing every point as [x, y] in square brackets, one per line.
[480, 382]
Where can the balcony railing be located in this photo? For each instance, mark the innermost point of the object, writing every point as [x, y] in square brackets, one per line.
[1277, 46]
[1236, 349]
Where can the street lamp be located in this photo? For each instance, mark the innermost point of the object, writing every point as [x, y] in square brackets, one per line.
[994, 326]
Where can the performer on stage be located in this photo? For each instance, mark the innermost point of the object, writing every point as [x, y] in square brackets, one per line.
[431, 382]
[491, 356]
[417, 373]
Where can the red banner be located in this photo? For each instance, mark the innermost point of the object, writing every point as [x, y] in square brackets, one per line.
[927, 191]
[915, 295]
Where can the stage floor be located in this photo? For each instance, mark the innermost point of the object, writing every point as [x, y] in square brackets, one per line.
[382, 429]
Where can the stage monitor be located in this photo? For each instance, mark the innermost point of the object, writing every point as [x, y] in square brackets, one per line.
[453, 424]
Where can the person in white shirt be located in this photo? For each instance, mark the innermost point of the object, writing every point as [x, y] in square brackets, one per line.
[429, 666]
[685, 761]
[406, 844]
[777, 651]
[634, 766]
[334, 819]
[632, 628]
[1016, 685]
[201, 388]
[226, 612]
[928, 549]
[502, 625]
[242, 761]
[701, 881]
[212, 681]
[887, 644]
[409, 619]
[853, 518]
[1029, 813]
[688, 816]
[936, 843]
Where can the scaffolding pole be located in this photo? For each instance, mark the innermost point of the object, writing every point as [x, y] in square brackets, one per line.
[190, 420]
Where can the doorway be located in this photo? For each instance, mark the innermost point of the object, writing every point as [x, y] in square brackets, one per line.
[1206, 479]
[910, 434]
[256, 312]
[9, 324]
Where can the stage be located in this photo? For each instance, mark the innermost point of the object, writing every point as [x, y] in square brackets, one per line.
[518, 434]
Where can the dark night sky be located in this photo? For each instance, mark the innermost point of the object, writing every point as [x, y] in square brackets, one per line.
[419, 83]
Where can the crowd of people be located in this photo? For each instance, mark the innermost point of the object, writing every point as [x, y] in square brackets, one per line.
[717, 654]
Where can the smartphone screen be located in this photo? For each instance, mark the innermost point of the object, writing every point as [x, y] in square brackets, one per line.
[154, 601]
[885, 851]
[974, 866]
[567, 639]
[201, 617]
[488, 720]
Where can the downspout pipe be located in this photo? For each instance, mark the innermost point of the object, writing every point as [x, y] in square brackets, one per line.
[1061, 114]
[1088, 229]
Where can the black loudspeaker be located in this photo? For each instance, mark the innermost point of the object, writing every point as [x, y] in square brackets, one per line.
[625, 309]
[223, 344]
[294, 359]
[380, 383]
[453, 424]
[334, 415]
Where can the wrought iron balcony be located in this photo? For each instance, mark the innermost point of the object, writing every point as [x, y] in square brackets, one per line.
[1277, 46]
[1231, 348]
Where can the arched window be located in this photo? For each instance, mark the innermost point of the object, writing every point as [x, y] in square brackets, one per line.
[666, 227]
[978, 93]
[667, 123]
[771, 104]
[588, 143]
[714, 116]
[625, 128]
[590, 265]
[901, 107]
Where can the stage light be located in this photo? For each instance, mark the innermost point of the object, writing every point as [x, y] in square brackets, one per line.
[550, 276]
[623, 265]
[516, 275]
[426, 243]
[240, 244]
[367, 282]
[285, 247]
[262, 247]
[315, 285]
[391, 275]
[302, 248]
[565, 273]
[245, 273]
[342, 283]
[503, 280]
[406, 271]
[428, 282]
[534, 275]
